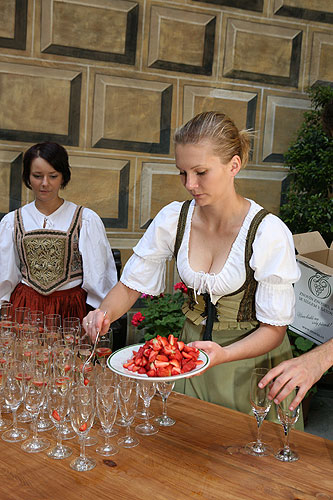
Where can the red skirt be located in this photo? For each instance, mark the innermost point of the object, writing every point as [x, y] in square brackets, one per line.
[69, 303]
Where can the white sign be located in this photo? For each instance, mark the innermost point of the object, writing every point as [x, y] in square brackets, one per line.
[314, 305]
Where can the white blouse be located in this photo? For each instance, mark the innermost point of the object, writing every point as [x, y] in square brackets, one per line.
[99, 268]
[273, 262]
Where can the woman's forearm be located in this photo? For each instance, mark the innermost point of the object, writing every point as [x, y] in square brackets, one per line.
[118, 301]
[261, 341]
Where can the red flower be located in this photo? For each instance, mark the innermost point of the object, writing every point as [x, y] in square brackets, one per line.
[180, 286]
[137, 319]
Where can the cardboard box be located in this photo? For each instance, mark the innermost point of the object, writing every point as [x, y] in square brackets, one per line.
[314, 290]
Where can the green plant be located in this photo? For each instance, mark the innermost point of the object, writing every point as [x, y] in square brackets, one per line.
[308, 202]
[162, 315]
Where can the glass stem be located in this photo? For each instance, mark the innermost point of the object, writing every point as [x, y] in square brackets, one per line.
[147, 404]
[128, 431]
[14, 420]
[107, 440]
[83, 448]
[59, 436]
[34, 428]
[164, 406]
[286, 429]
[259, 422]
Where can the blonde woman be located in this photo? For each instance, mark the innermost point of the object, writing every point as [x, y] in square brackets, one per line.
[237, 260]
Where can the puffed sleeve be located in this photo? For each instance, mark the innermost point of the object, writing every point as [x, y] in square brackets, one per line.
[99, 268]
[275, 270]
[146, 268]
[10, 274]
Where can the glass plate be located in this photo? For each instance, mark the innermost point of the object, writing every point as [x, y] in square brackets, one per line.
[116, 360]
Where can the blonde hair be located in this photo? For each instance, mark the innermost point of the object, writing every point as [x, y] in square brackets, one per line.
[217, 128]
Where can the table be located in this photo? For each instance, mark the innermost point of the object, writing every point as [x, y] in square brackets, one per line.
[187, 461]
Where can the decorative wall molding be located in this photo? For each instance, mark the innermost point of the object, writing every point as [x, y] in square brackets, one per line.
[18, 41]
[254, 5]
[303, 10]
[118, 25]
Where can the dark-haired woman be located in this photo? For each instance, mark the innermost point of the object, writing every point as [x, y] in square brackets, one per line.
[54, 255]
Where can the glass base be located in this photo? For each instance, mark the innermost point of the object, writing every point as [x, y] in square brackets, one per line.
[66, 433]
[121, 422]
[286, 455]
[35, 445]
[258, 449]
[59, 452]
[143, 415]
[91, 441]
[24, 417]
[13, 435]
[107, 450]
[165, 421]
[146, 429]
[128, 442]
[113, 433]
[5, 424]
[44, 424]
[83, 464]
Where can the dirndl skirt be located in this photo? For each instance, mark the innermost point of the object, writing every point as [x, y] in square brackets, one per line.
[70, 303]
[228, 384]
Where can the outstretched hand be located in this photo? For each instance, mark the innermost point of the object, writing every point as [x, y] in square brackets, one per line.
[301, 372]
[96, 321]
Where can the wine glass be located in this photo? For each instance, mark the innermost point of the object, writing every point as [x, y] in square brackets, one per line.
[22, 315]
[147, 391]
[58, 405]
[260, 407]
[103, 350]
[106, 378]
[107, 403]
[165, 388]
[128, 393]
[6, 312]
[73, 325]
[82, 413]
[35, 392]
[4, 422]
[13, 394]
[287, 418]
[51, 321]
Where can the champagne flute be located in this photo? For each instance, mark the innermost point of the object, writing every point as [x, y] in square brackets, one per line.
[106, 378]
[73, 325]
[107, 403]
[4, 422]
[13, 394]
[82, 412]
[35, 393]
[128, 393]
[58, 404]
[287, 418]
[103, 350]
[260, 407]
[6, 312]
[147, 391]
[165, 388]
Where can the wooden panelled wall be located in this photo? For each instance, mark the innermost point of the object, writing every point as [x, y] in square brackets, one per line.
[112, 79]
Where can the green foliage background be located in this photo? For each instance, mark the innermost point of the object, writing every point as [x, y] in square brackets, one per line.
[309, 203]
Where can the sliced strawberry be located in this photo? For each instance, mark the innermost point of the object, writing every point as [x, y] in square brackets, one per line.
[86, 381]
[142, 370]
[175, 371]
[161, 364]
[56, 415]
[152, 356]
[162, 357]
[38, 383]
[180, 345]
[151, 373]
[171, 339]
[83, 427]
[67, 368]
[190, 365]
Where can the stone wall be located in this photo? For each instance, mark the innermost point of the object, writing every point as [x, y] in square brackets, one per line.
[112, 79]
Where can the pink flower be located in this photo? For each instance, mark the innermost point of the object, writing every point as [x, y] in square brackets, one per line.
[137, 319]
[180, 286]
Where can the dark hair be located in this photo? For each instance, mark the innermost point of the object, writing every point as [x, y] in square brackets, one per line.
[220, 130]
[51, 152]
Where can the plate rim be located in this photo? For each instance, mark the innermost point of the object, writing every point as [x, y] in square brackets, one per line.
[155, 379]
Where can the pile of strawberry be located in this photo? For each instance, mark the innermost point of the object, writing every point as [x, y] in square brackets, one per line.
[163, 357]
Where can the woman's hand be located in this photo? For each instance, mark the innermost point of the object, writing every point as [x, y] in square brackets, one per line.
[96, 321]
[216, 353]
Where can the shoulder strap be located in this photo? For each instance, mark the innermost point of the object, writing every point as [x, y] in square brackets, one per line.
[181, 226]
[251, 235]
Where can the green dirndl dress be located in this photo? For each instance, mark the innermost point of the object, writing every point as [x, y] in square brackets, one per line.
[229, 320]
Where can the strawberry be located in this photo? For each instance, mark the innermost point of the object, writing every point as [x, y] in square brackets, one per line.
[38, 383]
[171, 339]
[180, 345]
[86, 381]
[56, 415]
[142, 370]
[188, 366]
[151, 373]
[67, 368]
[83, 427]
[161, 364]
[162, 357]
